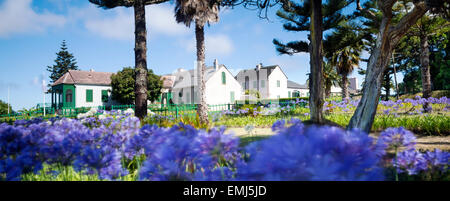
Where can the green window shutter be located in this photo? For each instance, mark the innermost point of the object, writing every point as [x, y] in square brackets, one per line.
[254, 84]
[263, 84]
[105, 95]
[289, 94]
[224, 78]
[89, 95]
[232, 97]
[278, 83]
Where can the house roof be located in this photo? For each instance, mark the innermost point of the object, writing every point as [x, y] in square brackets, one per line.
[84, 77]
[295, 85]
[268, 68]
[209, 72]
[168, 81]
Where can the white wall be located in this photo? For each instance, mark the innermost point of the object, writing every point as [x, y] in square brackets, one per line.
[218, 93]
[80, 95]
[303, 92]
[215, 92]
[336, 89]
[275, 91]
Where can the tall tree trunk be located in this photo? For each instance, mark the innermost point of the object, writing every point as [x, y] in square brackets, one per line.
[388, 37]
[316, 60]
[365, 112]
[345, 87]
[387, 85]
[202, 109]
[425, 68]
[140, 52]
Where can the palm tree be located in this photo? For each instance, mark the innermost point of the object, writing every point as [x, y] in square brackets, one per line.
[140, 50]
[347, 45]
[202, 12]
[345, 61]
[330, 78]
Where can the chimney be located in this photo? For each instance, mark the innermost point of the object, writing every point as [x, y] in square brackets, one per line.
[258, 67]
[216, 64]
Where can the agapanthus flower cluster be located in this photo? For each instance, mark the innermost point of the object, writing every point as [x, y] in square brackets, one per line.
[396, 138]
[313, 153]
[410, 160]
[185, 153]
[105, 146]
[94, 149]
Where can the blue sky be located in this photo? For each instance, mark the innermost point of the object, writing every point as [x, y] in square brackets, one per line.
[31, 32]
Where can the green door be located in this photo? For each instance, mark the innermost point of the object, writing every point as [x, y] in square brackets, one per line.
[68, 96]
[169, 97]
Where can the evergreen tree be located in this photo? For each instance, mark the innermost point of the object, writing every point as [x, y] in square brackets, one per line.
[315, 17]
[140, 45]
[64, 62]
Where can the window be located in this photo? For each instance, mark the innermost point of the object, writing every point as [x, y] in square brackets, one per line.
[224, 78]
[278, 83]
[89, 95]
[255, 84]
[69, 96]
[105, 96]
[247, 83]
[278, 97]
[263, 83]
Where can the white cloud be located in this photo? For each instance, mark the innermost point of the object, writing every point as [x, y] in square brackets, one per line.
[17, 16]
[119, 26]
[216, 45]
[161, 20]
[118, 23]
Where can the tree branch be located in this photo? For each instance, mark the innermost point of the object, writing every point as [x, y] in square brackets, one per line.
[150, 2]
[407, 21]
[364, 10]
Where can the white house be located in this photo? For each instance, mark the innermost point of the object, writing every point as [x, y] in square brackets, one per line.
[297, 90]
[352, 87]
[271, 83]
[82, 89]
[221, 86]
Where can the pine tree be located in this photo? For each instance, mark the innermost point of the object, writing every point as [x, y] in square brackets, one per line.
[64, 62]
[315, 17]
[140, 46]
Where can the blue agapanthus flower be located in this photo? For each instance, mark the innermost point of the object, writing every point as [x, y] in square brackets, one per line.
[438, 159]
[185, 153]
[279, 125]
[410, 161]
[397, 138]
[317, 153]
[104, 161]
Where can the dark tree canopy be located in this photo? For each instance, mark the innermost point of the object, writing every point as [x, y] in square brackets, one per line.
[64, 62]
[123, 83]
[107, 4]
[4, 108]
[297, 17]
